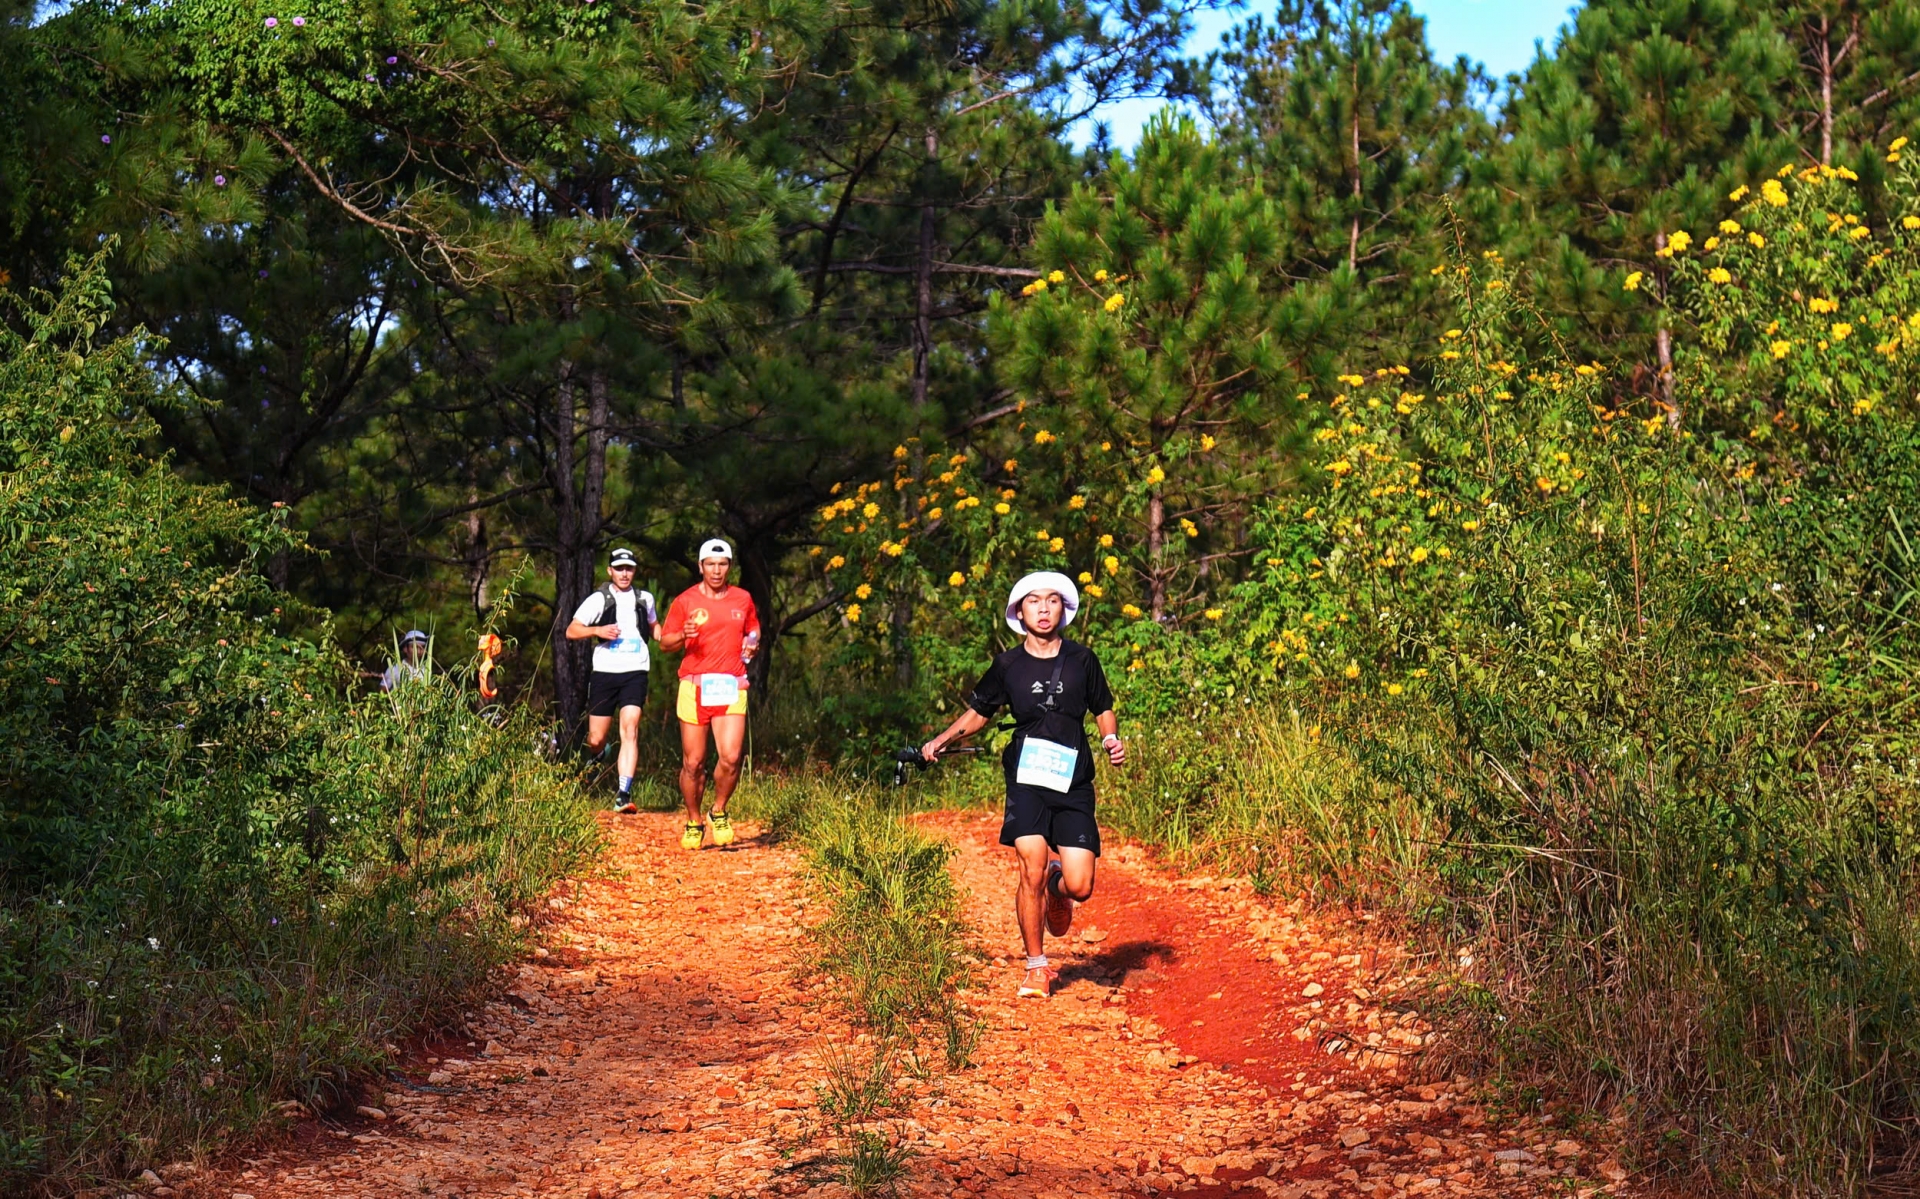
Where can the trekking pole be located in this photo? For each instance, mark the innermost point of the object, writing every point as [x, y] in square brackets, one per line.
[911, 756]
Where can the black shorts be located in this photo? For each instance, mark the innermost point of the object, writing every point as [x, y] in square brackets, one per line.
[1064, 819]
[607, 692]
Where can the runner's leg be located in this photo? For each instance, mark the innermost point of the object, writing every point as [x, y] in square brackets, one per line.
[597, 727]
[1076, 873]
[729, 741]
[629, 746]
[1030, 898]
[693, 767]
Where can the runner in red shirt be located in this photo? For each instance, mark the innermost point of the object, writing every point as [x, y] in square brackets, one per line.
[718, 629]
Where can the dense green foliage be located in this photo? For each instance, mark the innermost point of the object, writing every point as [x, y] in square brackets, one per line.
[226, 884]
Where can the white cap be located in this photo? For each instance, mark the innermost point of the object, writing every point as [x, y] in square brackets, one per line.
[1042, 580]
[715, 548]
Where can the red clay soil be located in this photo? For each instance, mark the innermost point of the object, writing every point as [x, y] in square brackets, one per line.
[662, 1048]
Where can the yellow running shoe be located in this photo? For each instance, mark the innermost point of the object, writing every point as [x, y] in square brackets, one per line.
[692, 835]
[722, 828]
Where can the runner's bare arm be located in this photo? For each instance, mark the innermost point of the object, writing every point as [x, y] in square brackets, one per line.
[1109, 725]
[580, 632]
[966, 724]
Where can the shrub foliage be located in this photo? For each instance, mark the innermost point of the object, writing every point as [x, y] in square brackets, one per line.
[223, 881]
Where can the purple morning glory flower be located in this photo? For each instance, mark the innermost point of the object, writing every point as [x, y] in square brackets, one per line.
[219, 180]
[489, 41]
[371, 79]
[299, 21]
[273, 22]
[263, 274]
[392, 58]
[106, 139]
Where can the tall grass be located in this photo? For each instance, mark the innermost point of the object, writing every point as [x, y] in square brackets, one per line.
[1738, 981]
[892, 947]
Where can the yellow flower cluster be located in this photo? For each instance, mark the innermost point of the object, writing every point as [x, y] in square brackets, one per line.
[956, 579]
[1044, 438]
[1773, 193]
[1719, 274]
[1114, 302]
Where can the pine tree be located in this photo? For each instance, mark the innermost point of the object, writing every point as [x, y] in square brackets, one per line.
[1361, 137]
[1647, 114]
[1165, 346]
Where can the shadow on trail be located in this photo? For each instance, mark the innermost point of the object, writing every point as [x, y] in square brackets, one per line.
[1118, 965]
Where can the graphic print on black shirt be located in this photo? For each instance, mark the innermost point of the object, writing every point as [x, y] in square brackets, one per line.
[1020, 682]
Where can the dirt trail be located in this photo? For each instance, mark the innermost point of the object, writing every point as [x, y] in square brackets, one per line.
[661, 1049]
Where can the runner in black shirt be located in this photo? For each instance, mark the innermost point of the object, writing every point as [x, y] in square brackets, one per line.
[1050, 685]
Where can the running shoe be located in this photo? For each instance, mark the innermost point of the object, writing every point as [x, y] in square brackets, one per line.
[722, 828]
[692, 835]
[1038, 984]
[624, 805]
[1059, 907]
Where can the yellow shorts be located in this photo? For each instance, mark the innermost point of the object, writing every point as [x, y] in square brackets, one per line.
[691, 711]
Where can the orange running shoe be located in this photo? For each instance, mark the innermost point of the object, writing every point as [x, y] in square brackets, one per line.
[1038, 984]
[1059, 907]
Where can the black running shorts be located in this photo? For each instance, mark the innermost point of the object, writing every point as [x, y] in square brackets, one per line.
[608, 692]
[1064, 819]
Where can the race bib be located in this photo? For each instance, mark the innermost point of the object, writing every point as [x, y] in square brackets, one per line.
[624, 644]
[719, 690]
[1046, 764]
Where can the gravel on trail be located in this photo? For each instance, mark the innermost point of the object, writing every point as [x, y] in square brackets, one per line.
[1202, 1042]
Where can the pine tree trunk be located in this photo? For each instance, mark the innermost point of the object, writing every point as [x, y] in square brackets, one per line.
[922, 369]
[572, 563]
[1156, 545]
[1826, 96]
[477, 556]
[756, 576]
[1663, 351]
[1353, 234]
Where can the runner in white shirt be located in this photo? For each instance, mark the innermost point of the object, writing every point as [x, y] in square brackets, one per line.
[622, 618]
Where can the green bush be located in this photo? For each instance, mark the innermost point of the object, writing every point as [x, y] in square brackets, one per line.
[1643, 668]
[222, 882]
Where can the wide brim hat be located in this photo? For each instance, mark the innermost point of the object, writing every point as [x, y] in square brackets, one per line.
[1042, 580]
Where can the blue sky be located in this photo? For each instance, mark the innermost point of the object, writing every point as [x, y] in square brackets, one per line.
[1499, 34]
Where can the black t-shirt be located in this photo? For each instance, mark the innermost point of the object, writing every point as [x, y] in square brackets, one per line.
[1020, 682]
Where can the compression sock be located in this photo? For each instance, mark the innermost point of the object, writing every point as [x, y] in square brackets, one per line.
[1037, 961]
[626, 783]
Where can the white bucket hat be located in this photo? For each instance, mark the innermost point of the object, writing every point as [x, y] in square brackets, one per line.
[1042, 580]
